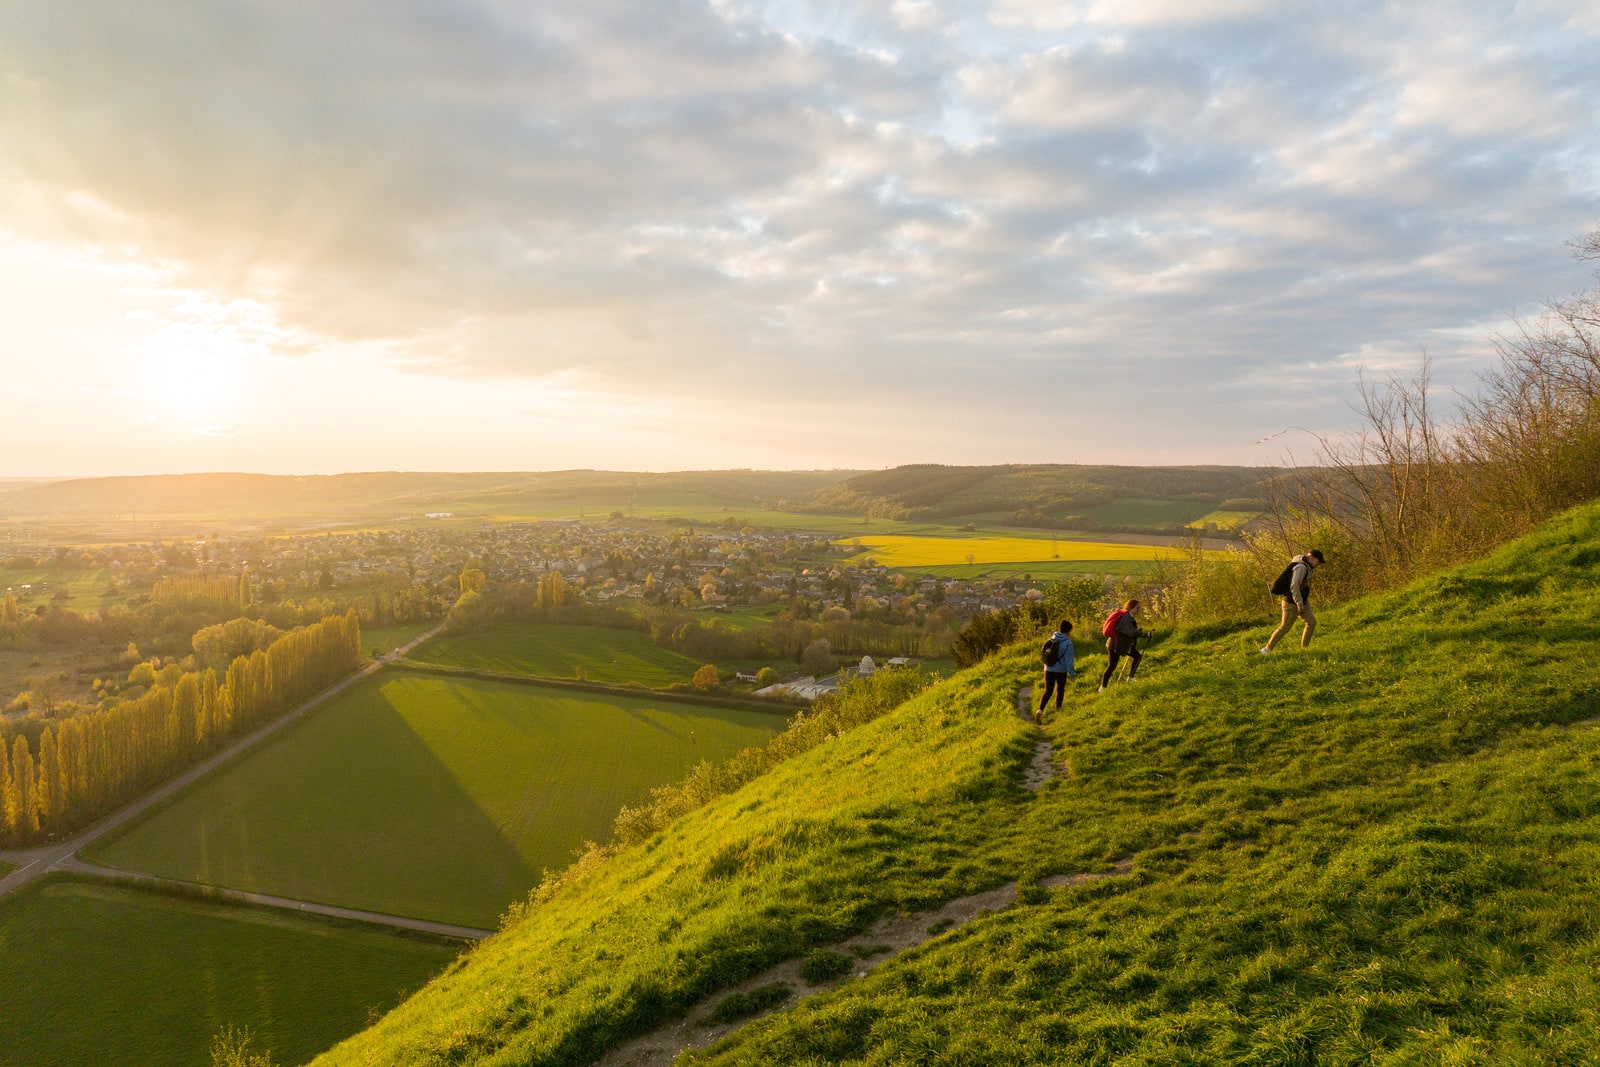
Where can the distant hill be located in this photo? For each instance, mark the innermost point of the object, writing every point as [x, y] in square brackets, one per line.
[1059, 495]
[1381, 849]
[1043, 495]
[391, 492]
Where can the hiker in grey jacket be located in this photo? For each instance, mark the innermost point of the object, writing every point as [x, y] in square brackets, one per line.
[1294, 586]
[1124, 641]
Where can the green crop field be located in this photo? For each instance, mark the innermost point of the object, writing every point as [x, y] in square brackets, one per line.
[389, 638]
[95, 974]
[1379, 850]
[1226, 520]
[439, 798]
[86, 590]
[556, 651]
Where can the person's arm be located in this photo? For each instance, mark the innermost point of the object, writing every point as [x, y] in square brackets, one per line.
[1297, 581]
[1066, 654]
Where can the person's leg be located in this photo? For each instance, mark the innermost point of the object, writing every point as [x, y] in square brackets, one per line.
[1111, 666]
[1134, 656]
[1310, 618]
[1290, 613]
[1054, 682]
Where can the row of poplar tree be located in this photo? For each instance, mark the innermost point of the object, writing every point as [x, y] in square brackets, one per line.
[93, 763]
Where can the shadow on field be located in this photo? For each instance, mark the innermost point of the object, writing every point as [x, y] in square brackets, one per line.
[351, 808]
[433, 836]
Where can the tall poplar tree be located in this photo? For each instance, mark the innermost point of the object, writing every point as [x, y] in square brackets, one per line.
[10, 803]
[49, 782]
[22, 777]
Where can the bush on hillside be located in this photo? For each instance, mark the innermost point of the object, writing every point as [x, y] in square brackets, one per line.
[989, 631]
[824, 965]
[736, 1006]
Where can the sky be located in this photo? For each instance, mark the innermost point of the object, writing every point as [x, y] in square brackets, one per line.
[293, 237]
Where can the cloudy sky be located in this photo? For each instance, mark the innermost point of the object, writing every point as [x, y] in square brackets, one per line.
[285, 236]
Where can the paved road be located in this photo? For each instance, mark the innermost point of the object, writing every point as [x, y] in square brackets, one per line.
[62, 856]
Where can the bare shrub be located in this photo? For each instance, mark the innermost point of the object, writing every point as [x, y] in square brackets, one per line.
[1409, 494]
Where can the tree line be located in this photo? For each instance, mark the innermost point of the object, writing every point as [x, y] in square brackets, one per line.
[90, 764]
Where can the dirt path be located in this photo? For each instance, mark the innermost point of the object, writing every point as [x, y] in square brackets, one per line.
[1043, 766]
[887, 939]
[238, 896]
[33, 863]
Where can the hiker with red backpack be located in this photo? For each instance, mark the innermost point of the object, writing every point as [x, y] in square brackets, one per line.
[1057, 655]
[1122, 633]
[1294, 586]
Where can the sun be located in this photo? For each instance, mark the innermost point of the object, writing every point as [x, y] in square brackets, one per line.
[198, 386]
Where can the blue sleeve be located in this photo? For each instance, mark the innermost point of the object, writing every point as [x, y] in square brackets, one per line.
[1067, 654]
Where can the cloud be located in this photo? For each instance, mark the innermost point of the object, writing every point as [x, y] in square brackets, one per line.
[690, 199]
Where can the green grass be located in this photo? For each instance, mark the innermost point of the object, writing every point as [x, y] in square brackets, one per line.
[1380, 850]
[746, 618]
[389, 638]
[438, 798]
[1226, 520]
[85, 589]
[555, 651]
[6, 868]
[99, 974]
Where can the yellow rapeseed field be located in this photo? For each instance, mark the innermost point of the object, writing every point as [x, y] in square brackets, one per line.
[944, 551]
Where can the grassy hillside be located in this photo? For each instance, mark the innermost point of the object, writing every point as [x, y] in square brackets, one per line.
[1379, 850]
[1042, 494]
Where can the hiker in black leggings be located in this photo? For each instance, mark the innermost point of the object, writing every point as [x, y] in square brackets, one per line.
[1124, 641]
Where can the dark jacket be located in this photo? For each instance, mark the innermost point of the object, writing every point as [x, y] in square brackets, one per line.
[1122, 639]
[1300, 581]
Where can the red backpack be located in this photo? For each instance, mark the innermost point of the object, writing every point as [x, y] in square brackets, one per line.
[1109, 627]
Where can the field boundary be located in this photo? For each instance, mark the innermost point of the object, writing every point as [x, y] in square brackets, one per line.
[699, 697]
[74, 868]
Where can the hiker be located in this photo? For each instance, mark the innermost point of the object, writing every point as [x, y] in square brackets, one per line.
[1294, 586]
[1122, 639]
[1058, 667]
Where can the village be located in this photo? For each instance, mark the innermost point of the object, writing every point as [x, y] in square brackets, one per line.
[707, 569]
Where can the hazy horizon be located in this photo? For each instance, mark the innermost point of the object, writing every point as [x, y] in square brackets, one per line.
[749, 234]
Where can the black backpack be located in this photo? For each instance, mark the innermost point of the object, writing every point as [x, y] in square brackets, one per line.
[1051, 652]
[1281, 586]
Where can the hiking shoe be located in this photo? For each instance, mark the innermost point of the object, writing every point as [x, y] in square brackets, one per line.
[1102, 689]
[1038, 718]
[1263, 650]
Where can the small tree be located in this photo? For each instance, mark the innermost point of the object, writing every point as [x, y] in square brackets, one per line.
[766, 676]
[707, 677]
[817, 657]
